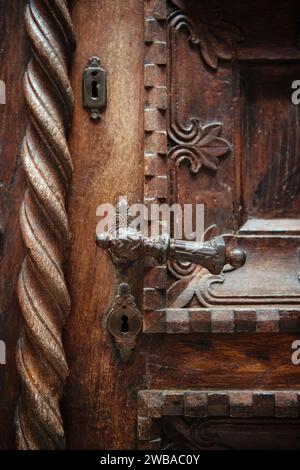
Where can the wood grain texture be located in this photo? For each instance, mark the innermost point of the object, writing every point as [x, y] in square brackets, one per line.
[271, 141]
[218, 419]
[221, 116]
[42, 290]
[219, 403]
[222, 320]
[14, 55]
[99, 408]
[236, 361]
[100, 401]
[229, 434]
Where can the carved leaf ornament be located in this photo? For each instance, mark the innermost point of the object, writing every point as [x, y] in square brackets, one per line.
[214, 36]
[205, 150]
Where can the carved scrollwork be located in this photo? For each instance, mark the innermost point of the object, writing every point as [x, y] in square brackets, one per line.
[181, 292]
[207, 29]
[218, 419]
[42, 290]
[181, 433]
[201, 146]
[188, 276]
[199, 285]
[209, 295]
[180, 269]
[204, 149]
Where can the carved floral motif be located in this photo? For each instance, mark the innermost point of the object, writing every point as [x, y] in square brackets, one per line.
[204, 149]
[197, 144]
[214, 36]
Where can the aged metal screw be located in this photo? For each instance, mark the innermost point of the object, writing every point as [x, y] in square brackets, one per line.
[95, 116]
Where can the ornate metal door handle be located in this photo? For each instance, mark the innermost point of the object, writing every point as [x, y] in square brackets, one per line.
[128, 245]
[125, 246]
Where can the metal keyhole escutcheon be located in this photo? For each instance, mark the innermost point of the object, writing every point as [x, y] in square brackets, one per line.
[94, 88]
[124, 321]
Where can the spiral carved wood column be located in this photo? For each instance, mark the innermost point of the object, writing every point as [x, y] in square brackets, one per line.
[42, 289]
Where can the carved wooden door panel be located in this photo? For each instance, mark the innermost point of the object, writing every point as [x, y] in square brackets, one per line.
[229, 132]
[198, 111]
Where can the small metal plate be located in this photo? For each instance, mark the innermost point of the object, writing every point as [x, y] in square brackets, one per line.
[94, 88]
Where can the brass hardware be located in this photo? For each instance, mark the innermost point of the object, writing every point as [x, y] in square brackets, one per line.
[94, 88]
[124, 321]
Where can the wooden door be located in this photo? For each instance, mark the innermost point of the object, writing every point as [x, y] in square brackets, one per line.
[199, 111]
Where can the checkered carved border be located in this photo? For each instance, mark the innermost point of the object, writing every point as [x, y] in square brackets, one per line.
[204, 320]
[156, 141]
[155, 404]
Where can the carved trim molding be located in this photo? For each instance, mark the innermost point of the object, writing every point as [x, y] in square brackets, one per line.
[224, 320]
[156, 141]
[42, 289]
[154, 405]
[155, 81]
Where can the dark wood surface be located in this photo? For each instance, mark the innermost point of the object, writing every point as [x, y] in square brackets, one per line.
[13, 119]
[99, 405]
[210, 419]
[238, 361]
[230, 434]
[100, 400]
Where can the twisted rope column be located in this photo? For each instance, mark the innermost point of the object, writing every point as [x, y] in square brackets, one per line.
[42, 289]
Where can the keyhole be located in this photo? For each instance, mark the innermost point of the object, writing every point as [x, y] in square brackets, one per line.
[124, 324]
[95, 93]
